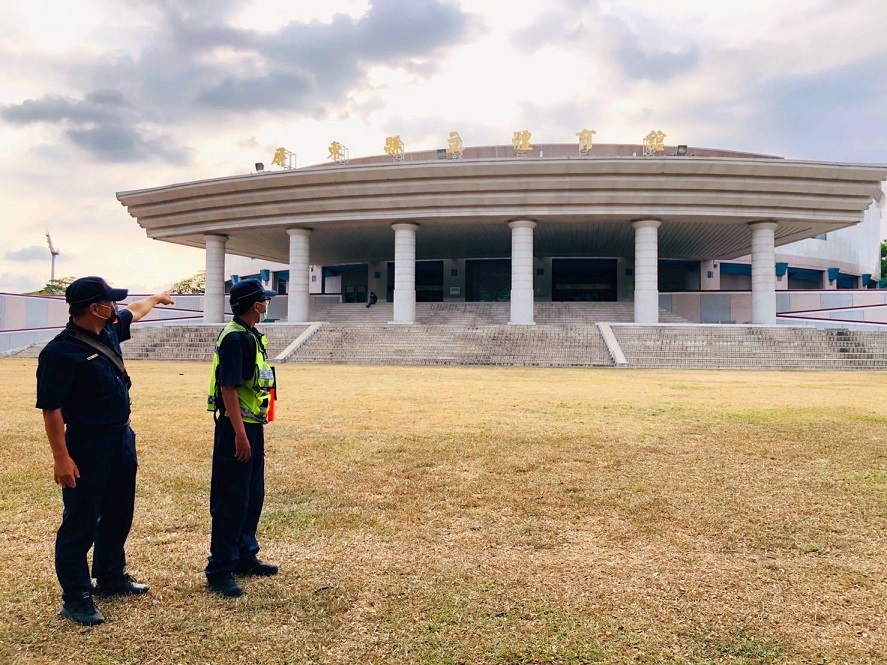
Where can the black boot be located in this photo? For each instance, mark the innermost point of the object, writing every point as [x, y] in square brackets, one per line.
[82, 610]
[124, 585]
[224, 584]
[256, 567]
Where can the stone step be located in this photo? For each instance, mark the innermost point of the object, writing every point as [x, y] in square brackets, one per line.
[479, 313]
[456, 345]
[739, 347]
[196, 342]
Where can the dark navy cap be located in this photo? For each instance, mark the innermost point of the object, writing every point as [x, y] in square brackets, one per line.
[248, 291]
[92, 289]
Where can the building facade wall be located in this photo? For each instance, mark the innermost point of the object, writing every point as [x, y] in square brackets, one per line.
[25, 319]
[735, 307]
[855, 249]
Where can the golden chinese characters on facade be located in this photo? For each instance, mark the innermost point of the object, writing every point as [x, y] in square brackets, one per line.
[394, 148]
[454, 146]
[284, 158]
[521, 142]
[585, 137]
[654, 143]
[338, 153]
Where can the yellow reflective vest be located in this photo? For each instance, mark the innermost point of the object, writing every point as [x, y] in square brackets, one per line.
[254, 393]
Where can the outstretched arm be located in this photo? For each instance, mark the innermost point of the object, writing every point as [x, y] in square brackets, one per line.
[140, 308]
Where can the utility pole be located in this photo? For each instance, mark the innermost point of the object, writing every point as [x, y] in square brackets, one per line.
[55, 253]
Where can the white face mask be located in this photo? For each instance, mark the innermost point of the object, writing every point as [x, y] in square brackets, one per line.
[263, 315]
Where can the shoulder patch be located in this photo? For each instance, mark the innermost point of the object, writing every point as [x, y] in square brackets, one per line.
[93, 356]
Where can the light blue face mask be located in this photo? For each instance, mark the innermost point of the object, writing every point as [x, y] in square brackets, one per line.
[263, 315]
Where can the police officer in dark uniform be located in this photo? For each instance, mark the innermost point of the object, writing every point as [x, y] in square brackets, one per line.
[83, 390]
[241, 384]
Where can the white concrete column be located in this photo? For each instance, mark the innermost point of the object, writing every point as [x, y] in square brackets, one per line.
[298, 303]
[763, 272]
[522, 272]
[404, 272]
[646, 270]
[214, 292]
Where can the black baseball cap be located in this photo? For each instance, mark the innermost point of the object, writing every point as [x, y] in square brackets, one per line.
[92, 289]
[248, 291]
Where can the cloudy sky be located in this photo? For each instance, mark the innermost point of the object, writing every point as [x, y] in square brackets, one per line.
[101, 96]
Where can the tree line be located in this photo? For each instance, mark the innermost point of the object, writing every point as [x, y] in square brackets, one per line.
[195, 284]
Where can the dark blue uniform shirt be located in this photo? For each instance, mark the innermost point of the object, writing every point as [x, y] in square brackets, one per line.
[82, 382]
[237, 356]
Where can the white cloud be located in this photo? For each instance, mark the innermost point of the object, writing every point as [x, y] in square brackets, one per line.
[30, 253]
[21, 282]
[271, 15]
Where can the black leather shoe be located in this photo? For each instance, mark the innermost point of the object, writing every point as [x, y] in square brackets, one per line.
[256, 567]
[224, 585]
[82, 611]
[124, 585]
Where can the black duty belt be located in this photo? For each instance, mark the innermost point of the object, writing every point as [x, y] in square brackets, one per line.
[98, 429]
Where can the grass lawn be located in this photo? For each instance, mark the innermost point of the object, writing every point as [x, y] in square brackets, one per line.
[485, 515]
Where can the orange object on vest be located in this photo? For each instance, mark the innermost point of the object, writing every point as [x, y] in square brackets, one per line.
[271, 405]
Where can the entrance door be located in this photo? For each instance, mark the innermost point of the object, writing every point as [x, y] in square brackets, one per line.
[488, 280]
[351, 279]
[583, 280]
[675, 275]
[429, 281]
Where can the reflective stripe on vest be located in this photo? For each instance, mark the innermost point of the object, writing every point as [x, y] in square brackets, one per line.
[254, 395]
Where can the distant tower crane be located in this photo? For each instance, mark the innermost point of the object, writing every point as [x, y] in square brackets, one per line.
[55, 253]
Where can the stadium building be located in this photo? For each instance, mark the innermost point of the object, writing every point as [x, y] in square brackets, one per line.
[713, 235]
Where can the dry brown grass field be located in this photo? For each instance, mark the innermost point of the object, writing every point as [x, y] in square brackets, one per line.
[486, 515]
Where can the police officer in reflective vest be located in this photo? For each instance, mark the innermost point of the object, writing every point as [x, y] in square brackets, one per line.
[83, 390]
[240, 394]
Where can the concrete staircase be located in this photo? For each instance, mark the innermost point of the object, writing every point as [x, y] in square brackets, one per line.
[196, 342]
[351, 313]
[28, 352]
[527, 346]
[751, 347]
[485, 313]
[171, 342]
[589, 313]
[187, 342]
[566, 335]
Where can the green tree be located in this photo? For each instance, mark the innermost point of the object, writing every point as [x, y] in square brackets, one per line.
[884, 259]
[194, 284]
[54, 287]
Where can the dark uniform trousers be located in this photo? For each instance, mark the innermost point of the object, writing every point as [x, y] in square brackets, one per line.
[237, 492]
[98, 510]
